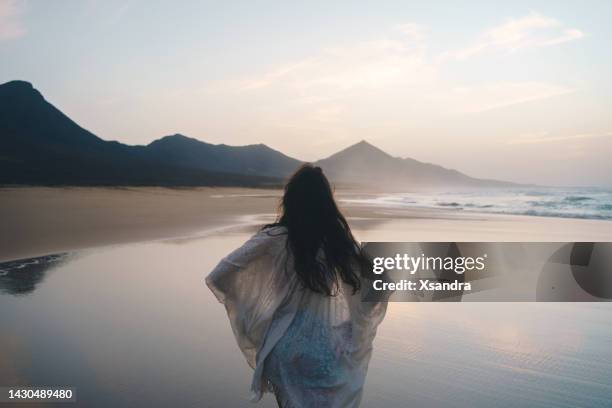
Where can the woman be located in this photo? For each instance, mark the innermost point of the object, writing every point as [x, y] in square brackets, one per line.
[293, 296]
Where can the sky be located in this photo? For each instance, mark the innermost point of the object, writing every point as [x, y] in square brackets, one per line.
[518, 91]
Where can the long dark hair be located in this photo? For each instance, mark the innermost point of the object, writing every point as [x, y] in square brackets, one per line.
[314, 223]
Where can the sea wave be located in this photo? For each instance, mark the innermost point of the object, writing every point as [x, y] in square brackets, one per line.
[587, 203]
[577, 198]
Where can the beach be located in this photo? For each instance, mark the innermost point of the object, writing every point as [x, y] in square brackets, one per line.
[132, 323]
[39, 220]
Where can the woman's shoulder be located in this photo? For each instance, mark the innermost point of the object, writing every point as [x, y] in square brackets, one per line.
[271, 236]
[273, 231]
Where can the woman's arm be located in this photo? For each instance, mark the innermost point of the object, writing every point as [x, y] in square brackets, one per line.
[257, 246]
[248, 284]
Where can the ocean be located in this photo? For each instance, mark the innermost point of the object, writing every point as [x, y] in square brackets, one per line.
[588, 203]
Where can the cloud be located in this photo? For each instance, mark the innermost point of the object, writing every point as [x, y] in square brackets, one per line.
[533, 30]
[272, 76]
[542, 137]
[368, 64]
[11, 26]
[387, 80]
[414, 31]
[499, 95]
[338, 71]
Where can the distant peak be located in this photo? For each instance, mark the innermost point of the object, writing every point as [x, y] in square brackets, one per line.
[177, 139]
[363, 142]
[365, 146]
[176, 136]
[18, 90]
[363, 150]
[18, 84]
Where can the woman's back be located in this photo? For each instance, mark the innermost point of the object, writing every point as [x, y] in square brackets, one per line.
[312, 362]
[309, 348]
[293, 297]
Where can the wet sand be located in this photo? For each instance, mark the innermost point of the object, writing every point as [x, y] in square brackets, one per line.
[134, 325]
[105, 319]
[38, 221]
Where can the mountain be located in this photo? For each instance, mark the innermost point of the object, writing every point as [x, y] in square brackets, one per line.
[363, 163]
[256, 159]
[39, 145]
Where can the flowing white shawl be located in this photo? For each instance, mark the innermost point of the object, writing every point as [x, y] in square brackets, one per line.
[262, 296]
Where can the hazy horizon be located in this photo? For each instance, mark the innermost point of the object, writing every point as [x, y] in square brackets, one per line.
[518, 92]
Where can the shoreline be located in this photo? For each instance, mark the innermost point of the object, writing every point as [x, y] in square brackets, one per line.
[40, 221]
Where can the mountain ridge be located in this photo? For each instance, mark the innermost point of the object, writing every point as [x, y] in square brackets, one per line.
[364, 163]
[39, 144]
[256, 159]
